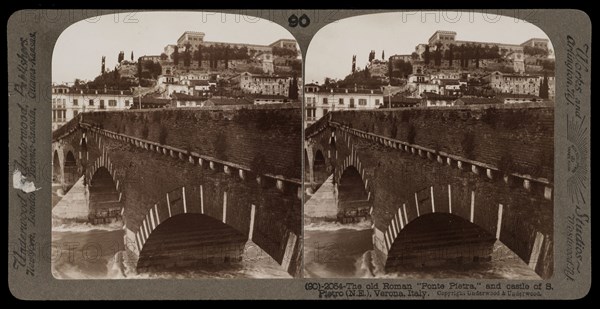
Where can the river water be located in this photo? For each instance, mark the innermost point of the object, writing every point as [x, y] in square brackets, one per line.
[332, 250]
[84, 251]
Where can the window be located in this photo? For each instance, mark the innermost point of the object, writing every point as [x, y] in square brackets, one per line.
[325, 101]
[341, 101]
[101, 103]
[112, 103]
[53, 102]
[75, 112]
[75, 102]
[91, 103]
[376, 101]
[126, 102]
[351, 102]
[362, 101]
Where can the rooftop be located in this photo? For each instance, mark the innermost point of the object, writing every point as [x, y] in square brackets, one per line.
[186, 97]
[436, 96]
[478, 100]
[517, 96]
[350, 90]
[96, 91]
[267, 96]
[229, 101]
[152, 100]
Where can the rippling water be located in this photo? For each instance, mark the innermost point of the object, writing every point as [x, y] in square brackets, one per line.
[85, 251]
[333, 250]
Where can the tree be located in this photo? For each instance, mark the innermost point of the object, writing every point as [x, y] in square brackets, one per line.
[293, 91]
[495, 52]
[544, 87]
[353, 64]
[548, 65]
[103, 69]
[450, 54]
[383, 55]
[226, 56]
[187, 57]
[139, 68]
[404, 68]
[438, 54]
[164, 56]
[414, 56]
[284, 52]
[175, 55]
[121, 56]
[366, 72]
[463, 56]
[535, 51]
[132, 55]
[371, 55]
[198, 55]
[426, 55]
[477, 55]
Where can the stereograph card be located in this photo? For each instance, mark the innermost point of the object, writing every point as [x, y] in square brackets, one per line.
[299, 154]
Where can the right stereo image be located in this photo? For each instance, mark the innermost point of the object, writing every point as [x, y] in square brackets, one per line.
[429, 148]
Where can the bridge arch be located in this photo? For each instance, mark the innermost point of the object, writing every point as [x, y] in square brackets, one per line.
[438, 238]
[190, 240]
[57, 167]
[444, 210]
[104, 198]
[231, 221]
[70, 170]
[320, 170]
[353, 198]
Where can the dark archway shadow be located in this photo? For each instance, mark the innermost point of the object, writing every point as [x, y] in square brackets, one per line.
[104, 204]
[353, 198]
[320, 169]
[188, 242]
[436, 239]
[71, 173]
[56, 168]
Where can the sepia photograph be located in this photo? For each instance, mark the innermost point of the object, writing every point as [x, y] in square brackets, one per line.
[176, 148]
[429, 148]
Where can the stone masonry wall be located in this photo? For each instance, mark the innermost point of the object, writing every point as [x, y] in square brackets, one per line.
[266, 140]
[514, 139]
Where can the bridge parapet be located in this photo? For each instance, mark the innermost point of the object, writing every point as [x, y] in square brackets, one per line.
[282, 183]
[537, 185]
[490, 134]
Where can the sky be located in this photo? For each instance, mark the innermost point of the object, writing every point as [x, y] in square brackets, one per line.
[79, 49]
[330, 51]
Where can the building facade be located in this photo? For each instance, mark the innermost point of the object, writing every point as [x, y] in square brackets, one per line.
[514, 83]
[262, 84]
[68, 102]
[284, 43]
[319, 103]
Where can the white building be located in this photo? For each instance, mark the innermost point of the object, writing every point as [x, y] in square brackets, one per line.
[262, 84]
[514, 83]
[262, 99]
[68, 103]
[320, 102]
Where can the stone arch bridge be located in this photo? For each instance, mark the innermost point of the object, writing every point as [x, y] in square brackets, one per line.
[192, 185]
[470, 175]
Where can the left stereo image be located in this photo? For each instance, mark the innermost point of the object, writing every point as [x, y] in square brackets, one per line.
[176, 148]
